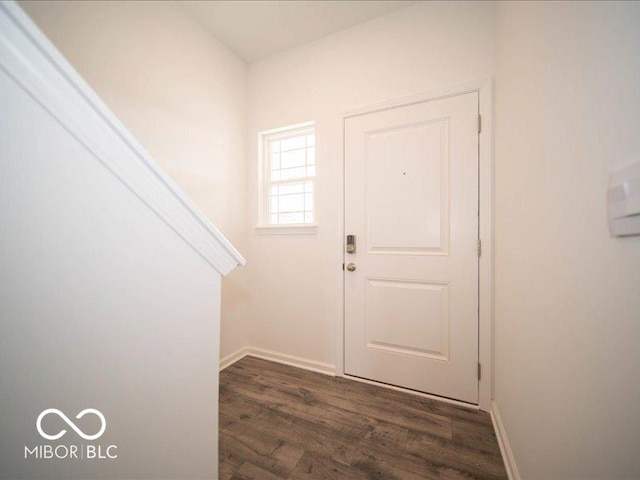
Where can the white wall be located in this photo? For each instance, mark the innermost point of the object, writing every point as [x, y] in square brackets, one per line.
[182, 94]
[296, 304]
[102, 305]
[567, 294]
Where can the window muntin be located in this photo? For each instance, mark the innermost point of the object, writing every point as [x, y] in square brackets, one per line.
[289, 176]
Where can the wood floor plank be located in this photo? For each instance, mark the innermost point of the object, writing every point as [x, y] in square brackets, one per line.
[348, 386]
[424, 404]
[315, 439]
[388, 436]
[286, 423]
[249, 471]
[456, 456]
[391, 463]
[312, 467]
[475, 436]
[228, 462]
[325, 414]
[385, 464]
[266, 451]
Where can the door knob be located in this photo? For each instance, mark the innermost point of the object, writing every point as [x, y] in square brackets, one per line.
[351, 267]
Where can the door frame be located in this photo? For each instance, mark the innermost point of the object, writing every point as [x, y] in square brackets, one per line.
[485, 272]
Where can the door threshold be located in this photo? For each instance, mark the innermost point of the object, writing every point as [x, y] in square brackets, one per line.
[438, 398]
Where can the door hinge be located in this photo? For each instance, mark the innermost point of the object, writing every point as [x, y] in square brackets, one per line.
[479, 247]
[479, 123]
[479, 371]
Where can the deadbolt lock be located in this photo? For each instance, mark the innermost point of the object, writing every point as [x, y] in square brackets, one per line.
[351, 244]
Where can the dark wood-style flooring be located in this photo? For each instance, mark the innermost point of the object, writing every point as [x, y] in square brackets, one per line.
[280, 422]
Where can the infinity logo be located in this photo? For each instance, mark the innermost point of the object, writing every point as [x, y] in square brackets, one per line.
[71, 424]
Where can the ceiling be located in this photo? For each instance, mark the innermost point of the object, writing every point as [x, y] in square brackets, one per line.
[258, 28]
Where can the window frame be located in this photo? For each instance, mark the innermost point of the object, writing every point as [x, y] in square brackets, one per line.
[264, 159]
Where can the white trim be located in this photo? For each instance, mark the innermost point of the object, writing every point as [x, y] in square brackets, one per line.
[283, 229]
[436, 94]
[292, 360]
[450, 401]
[32, 61]
[486, 267]
[340, 273]
[285, 130]
[232, 358]
[485, 320]
[503, 443]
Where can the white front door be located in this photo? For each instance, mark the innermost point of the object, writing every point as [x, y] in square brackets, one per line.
[411, 201]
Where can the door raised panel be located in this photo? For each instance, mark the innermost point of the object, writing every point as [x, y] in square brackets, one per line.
[407, 189]
[408, 317]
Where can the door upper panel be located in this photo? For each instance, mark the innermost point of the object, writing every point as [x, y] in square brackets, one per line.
[407, 194]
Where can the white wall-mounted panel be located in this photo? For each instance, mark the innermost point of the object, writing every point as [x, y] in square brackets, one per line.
[623, 198]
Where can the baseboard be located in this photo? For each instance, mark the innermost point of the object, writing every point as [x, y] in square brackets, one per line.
[503, 442]
[233, 358]
[292, 360]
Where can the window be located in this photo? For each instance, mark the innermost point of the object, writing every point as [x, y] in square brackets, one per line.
[288, 176]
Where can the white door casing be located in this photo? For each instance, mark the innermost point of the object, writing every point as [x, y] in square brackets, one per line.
[411, 200]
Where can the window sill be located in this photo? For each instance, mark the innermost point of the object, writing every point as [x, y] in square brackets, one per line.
[301, 229]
